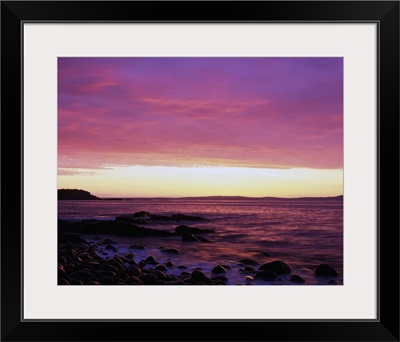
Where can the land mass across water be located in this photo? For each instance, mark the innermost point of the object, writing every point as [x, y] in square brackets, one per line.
[79, 194]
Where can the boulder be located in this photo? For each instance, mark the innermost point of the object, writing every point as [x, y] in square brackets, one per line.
[202, 239]
[133, 271]
[131, 220]
[142, 214]
[150, 260]
[161, 218]
[149, 279]
[198, 276]
[265, 275]
[132, 280]
[277, 266]
[326, 270]
[297, 279]
[121, 228]
[159, 274]
[218, 269]
[192, 230]
[107, 281]
[188, 237]
[82, 275]
[160, 267]
[170, 250]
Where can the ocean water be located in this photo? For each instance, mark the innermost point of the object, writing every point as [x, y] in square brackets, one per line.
[302, 233]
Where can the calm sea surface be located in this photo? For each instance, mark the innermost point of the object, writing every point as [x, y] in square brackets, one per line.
[303, 233]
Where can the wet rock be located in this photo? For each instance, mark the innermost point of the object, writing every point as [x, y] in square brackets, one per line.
[277, 266]
[63, 281]
[109, 267]
[170, 250]
[133, 271]
[297, 279]
[130, 256]
[248, 278]
[110, 248]
[150, 260]
[149, 279]
[137, 246]
[332, 282]
[249, 269]
[161, 218]
[122, 228]
[94, 282]
[202, 239]
[198, 276]
[132, 280]
[326, 270]
[169, 264]
[188, 237]
[76, 282]
[131, 220]
[248, 262]
[184, 273]
[207, 281]
[142, 214]
[62, 274]
[62, 260]
[107, 281]
[94, 265]
[118, 260]
[83, 275]
[182, 267]
[218, 269]
[132, 262]
[160, 267]
[265, 275]
[160, 275]
[104, 273]
[191, 230]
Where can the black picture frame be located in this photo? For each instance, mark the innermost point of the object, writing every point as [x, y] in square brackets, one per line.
[384, 13]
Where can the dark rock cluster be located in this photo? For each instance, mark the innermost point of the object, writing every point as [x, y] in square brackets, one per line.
[80, 264]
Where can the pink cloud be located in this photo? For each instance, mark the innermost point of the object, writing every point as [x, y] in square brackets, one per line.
[259, 112]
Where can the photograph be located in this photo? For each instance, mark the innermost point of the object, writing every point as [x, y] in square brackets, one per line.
[234, 164]
[200, 171]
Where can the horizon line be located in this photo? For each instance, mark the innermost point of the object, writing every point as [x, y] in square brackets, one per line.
[221, 197]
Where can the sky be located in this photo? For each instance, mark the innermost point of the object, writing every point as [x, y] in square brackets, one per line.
[184, 126]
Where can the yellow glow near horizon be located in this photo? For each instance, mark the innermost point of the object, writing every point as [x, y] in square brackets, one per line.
[161, 181]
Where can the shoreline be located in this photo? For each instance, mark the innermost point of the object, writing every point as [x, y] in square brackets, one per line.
[83, 262]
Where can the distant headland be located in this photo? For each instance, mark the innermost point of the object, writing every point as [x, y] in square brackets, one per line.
[75, 194]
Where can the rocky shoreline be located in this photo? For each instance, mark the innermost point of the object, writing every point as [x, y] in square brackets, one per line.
[80, 263]
[101, 262]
